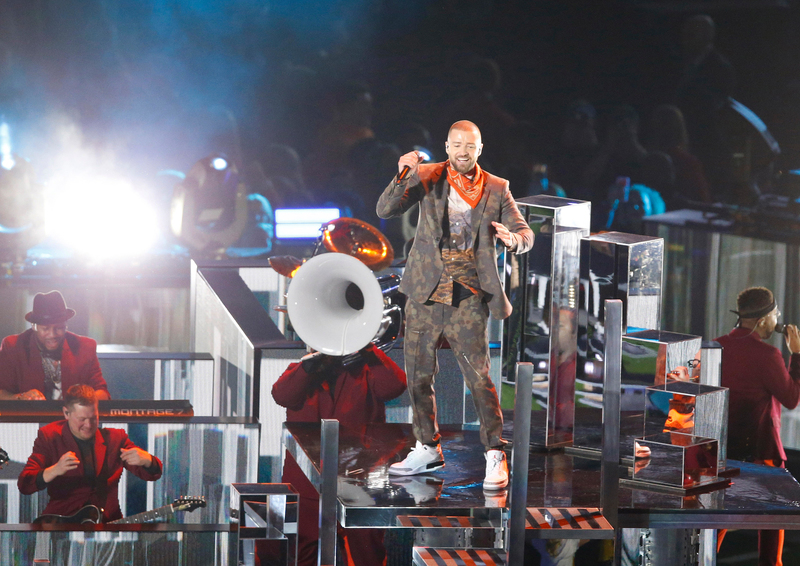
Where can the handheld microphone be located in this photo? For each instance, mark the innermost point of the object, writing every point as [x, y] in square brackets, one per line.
[780, 328]
[404, 173]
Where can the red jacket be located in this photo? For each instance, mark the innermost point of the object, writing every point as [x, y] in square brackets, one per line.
[759, 384]
[21, 363]
[358, 395]
[70, 492]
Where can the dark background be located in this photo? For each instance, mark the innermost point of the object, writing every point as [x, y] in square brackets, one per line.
[144, 85]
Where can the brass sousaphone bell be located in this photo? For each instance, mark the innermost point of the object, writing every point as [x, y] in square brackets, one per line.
[335, 303]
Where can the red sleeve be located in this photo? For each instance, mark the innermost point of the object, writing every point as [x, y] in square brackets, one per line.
[8, 381]
[152, 473]
[291, 389]
[92, 374]
[386, 379]
[39, 460]
[782, 384]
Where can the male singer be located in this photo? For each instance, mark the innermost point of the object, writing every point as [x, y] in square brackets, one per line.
[452, 285]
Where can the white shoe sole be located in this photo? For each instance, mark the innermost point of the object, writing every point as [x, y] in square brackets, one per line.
[494, 486]
[432, 467]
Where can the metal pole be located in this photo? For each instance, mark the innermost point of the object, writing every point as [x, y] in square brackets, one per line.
[515, 543]
[609, 471]
[329, 471]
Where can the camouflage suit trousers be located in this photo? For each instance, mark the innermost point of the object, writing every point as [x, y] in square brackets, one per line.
[466, 329]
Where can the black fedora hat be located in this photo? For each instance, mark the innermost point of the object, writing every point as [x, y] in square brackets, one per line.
[49, 308]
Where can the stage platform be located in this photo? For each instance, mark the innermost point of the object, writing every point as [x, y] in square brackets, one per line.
[759, 498]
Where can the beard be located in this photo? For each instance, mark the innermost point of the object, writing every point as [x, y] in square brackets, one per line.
[462, 167]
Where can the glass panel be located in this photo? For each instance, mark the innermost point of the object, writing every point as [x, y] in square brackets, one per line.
[217, 333]
[200, 459]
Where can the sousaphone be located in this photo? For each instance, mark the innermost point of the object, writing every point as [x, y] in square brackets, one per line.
[335, 303]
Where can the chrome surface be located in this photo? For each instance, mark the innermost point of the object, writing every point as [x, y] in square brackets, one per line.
[515, 541]
[609, 479]
[619, 266]
[677, 459]
[690, 408]
[329, 458]
[760, 497]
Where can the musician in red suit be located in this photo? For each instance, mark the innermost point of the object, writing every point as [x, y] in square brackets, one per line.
[320, 387]
[80, 464]
[759, 383]
[46, 360]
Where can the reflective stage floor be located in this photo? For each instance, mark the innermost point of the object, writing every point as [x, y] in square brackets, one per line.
[760, 497]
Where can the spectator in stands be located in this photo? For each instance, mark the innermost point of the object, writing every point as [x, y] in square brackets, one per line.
[350, 123]
[707, 82]
[45, 360]
[321, 387]
[622, 155]
[668, 134]
[478, 103]
[577, 148]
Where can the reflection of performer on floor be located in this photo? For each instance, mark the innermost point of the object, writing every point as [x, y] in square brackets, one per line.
[79, 463]
[759, 383]
[452, 285]
[320, 387]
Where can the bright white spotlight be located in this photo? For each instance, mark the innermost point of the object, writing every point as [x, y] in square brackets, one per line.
[101, 218]
[219, 163]
[6, 157]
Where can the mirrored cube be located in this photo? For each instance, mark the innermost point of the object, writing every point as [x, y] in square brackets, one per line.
[677, 459]
[620, 266]
[651, 358]
[267, 513]
[543, 328]
[711, 363]
[689, 408]
[561, 211]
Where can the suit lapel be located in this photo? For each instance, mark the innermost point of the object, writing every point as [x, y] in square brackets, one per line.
[441, 190]
[35, 362]
[477, 213]
[72, 444]
[99, 452]
[67, 366]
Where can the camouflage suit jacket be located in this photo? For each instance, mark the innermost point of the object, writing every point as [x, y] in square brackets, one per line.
[424, 267]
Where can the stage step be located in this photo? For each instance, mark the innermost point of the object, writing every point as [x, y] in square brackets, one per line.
[568, 522]
[424, 556]
[437, 522]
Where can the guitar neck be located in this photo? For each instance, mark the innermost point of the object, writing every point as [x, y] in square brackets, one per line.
[148, 516]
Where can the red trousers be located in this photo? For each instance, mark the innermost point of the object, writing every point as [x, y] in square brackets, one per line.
[770, 543]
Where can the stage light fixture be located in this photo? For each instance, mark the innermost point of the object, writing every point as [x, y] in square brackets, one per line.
[209, 207]
[21, 210]
[100, 218]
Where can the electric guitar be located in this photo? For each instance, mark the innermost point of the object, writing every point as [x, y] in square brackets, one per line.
[92, 514]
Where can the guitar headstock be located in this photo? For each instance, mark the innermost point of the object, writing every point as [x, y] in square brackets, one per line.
[187, 503]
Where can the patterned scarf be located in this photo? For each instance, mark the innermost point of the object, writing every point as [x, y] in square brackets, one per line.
[471, 190]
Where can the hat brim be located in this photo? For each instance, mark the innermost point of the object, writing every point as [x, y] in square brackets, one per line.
[62, 317]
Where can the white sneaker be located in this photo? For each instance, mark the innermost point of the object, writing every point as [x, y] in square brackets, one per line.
[421, 459]
[423, 489]
[496, 470]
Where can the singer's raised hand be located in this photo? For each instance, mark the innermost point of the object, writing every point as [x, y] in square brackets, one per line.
[793, 339]
[412, 159]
